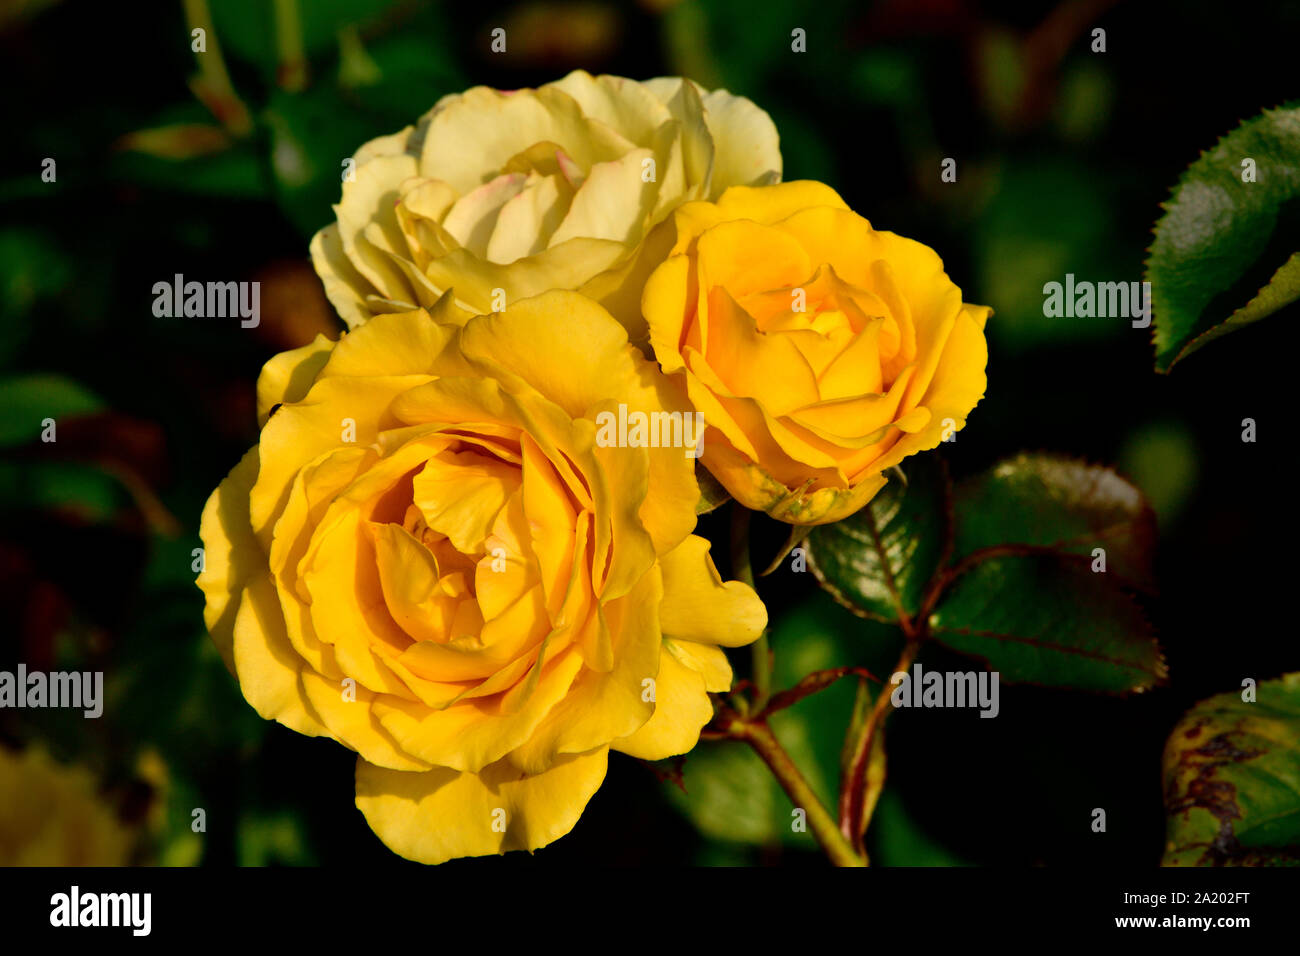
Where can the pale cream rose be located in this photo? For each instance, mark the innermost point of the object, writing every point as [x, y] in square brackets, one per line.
[550, 188]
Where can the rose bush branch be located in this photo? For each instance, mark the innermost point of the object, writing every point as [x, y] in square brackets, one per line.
[854, 796]
[856, 789]
[755, 730]
[743, 571]
[758, 734]
[811, 684]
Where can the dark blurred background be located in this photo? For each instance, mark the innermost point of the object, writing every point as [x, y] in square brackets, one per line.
[1063, 158]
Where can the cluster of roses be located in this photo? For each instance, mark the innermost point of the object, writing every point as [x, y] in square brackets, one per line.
[429, 557]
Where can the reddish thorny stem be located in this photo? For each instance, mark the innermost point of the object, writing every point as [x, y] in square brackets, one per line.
[745, 718]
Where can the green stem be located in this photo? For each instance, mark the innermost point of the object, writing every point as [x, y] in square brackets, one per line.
[758, 734]
[292, 71]
[744, 571]
[212, 84]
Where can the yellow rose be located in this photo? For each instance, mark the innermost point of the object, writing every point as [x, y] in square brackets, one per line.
[533, 190]
[430, 558]
[820, 351]
[52, 815]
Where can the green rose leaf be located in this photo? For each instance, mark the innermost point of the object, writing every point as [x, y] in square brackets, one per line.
[1048, 620]
[879, 561]
[1232, 779]
[1230, 233]
[1061, 505]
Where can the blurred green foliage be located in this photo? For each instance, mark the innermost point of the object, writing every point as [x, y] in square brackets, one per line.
[1062, 155]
